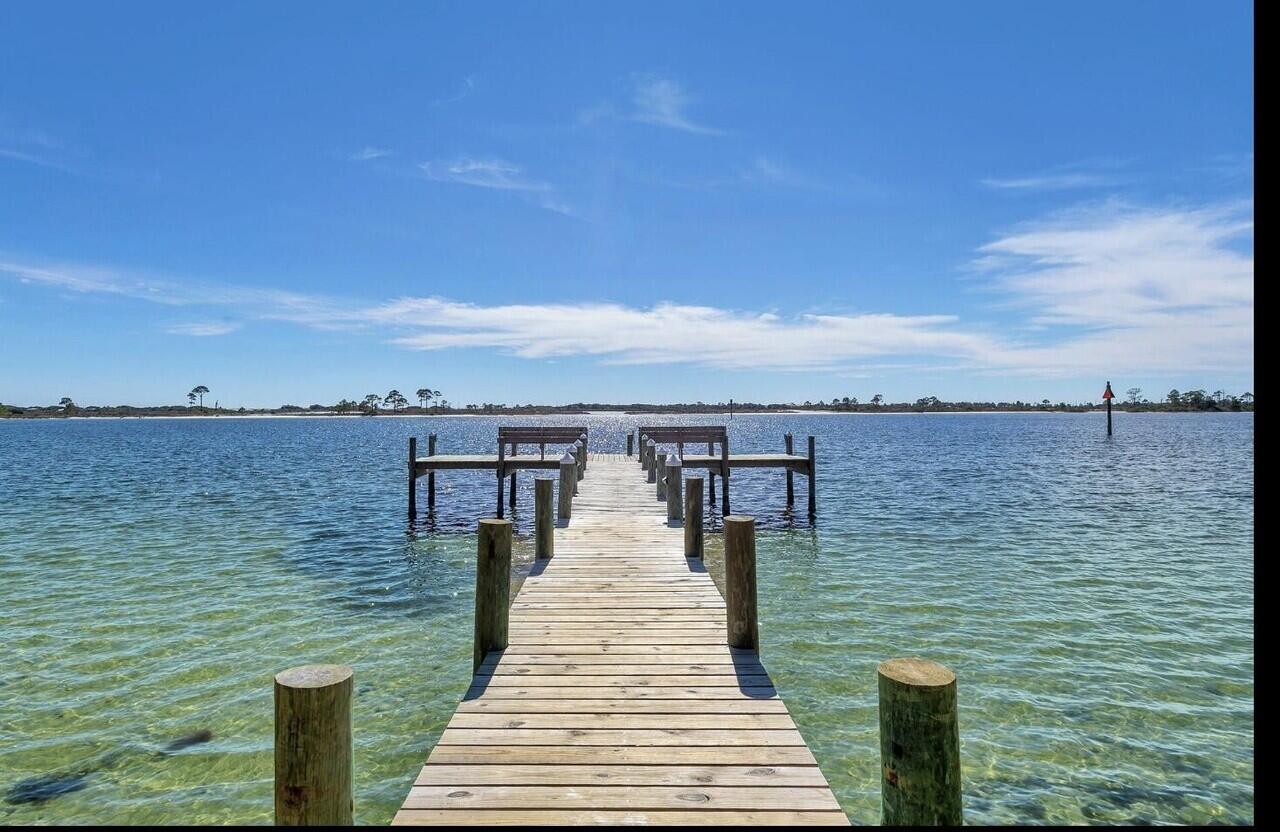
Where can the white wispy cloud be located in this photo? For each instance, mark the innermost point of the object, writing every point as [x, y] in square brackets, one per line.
[655, 100]
[482, 173]
[663, 102]
[203, 330]
[672, 333]
[464, 89]
[1107, 287]
[369, 153]
[1049, 182]
[1164, 288]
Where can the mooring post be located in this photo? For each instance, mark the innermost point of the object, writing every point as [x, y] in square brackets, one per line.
[789, 443]
[502, 472]
[577, 465]
[693, 543]
[740, 582]
[431, 475]
[813, 480]
[631, 439]
[511, 498]
[583, 439]
[313, 746]
[493, 587]
[724, 477]
[919, 744]
[644, 451]
[567, 466]
[544, 520]
[711, 477]
[660, 475]
[675, 488]
[651, 472]
[413, 477]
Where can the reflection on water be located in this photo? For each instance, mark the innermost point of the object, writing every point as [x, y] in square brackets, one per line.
[1094, 597]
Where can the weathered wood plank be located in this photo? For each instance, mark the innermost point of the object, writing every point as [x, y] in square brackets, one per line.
[619, 775]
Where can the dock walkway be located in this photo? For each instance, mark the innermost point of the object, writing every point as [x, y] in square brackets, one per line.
[617, 699]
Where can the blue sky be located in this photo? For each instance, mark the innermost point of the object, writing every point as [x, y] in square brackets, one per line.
[576, 201]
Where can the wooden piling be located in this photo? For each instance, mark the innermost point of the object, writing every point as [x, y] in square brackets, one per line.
[493, 587]
[544, 519]
[724, 477]
[644, 451]
[919, 744]
[583, 439]
[413, 477]
[313, 755]
[511, 499]
[631, 438]
[502, 464]
[567, 466]
[693, 542]
[740, 581]
[711, 477]
[813, 480]
[789, 444]
[675, 488]
[651, 471]
[431, 475]
[660, 475]
[579, 457]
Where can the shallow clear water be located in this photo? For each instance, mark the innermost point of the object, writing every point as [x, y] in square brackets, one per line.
[1094, 597]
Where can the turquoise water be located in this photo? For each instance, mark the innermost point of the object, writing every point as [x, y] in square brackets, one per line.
[1094, 597]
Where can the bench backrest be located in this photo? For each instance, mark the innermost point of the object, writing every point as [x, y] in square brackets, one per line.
[539, 435]
[686, 433]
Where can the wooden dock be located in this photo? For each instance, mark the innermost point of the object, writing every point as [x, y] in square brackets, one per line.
[617, 700]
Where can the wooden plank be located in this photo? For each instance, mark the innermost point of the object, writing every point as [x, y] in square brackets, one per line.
[793, 798]
[603, 817]
[687, 755]
[620, 706]
[629, 721]
[619, 775]
[631, 737]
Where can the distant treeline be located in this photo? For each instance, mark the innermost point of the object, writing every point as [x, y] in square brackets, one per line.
[1173, 401]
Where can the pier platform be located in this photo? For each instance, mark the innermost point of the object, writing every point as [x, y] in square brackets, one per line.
[617, 699]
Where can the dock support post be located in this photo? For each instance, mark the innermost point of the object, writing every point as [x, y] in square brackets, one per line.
[313, 746]
[644, 451]
[724, 478]
[511, 498]
[813, 481]
[711, 477]
[631, 439]
[431, 475]
[577, 466]
[413, 477]
[567, 466]
[583, 440]
[740, 582]
[493, 588]
[660, 475]
[675, 488]
[789, 444]
[693, 543]
[919, 744]
[651, 470]
[502, 472]
[544, 522]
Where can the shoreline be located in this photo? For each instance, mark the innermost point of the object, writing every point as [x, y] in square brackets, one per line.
[596, 414]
